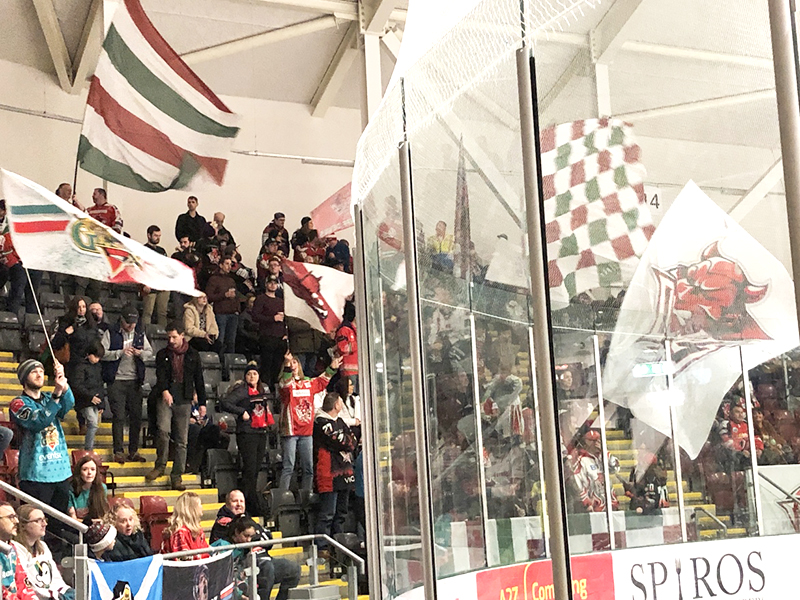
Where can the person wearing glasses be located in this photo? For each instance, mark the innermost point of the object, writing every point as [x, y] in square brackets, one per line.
[35, 558]
[8, 562]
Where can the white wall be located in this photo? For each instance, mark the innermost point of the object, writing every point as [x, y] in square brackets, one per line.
[44, 150]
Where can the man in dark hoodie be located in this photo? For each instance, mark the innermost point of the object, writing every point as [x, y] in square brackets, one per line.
[271, 570]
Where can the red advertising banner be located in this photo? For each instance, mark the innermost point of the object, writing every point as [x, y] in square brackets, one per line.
[591, 578]
[334, 213]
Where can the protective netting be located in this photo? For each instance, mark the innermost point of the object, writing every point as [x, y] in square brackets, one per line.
[431, 82]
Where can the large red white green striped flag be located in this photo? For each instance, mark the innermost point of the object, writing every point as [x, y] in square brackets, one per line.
[50, 234]
[151, 124]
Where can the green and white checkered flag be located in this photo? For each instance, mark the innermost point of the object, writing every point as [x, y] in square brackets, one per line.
[598, 222]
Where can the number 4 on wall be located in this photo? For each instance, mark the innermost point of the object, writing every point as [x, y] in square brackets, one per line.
[654, 201]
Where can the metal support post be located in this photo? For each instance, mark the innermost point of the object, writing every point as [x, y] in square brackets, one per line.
[542, 332]
[368, 423]
[314, 561]
[352, 582]
[539, 453]
[782, 28]
[417, 376]
[601, 412]
[253, 575]
[476, 407]
[748, 401]
[81, 571]
[676, 449]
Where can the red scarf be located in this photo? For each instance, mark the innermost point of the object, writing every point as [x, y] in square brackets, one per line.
[177, 354]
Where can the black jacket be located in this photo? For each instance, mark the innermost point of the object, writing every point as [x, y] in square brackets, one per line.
[334, 444]
[86, 383]
[192, 375]
[128, 547]
[238, 401]
[220, 529]
[191, 227]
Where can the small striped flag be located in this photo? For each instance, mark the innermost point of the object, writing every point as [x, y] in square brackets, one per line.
[50, 234]
[151, 124]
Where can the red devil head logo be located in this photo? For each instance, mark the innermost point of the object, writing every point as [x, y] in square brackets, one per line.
[711, 296]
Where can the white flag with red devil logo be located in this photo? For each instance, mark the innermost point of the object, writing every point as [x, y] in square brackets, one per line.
[52, 235]
[315, 294]
[709, 287]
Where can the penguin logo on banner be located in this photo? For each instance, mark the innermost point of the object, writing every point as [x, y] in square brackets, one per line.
[139, 579]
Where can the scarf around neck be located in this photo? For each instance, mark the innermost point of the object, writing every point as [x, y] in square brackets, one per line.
[177, 354]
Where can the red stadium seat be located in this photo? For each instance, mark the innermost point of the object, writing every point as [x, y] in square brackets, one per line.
[154, 514]
[9, 468]
[114, 500]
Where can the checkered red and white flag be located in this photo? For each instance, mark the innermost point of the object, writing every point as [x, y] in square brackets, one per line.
[598, 223]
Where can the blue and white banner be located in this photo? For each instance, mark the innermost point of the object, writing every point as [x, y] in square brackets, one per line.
[139, 579]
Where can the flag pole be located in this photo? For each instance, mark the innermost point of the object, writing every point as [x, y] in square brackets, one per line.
[39, 312]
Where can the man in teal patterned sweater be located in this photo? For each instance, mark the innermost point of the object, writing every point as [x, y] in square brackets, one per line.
[44, 468]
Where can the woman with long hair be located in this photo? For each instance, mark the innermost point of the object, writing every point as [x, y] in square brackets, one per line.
[297, 417]
[185, 532]
[131, 542]
[200, 325]
[87, 494]
[76, 328]
[249, 401]
[35, 557]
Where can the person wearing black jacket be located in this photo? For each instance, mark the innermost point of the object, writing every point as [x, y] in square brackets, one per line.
[89, 389]
[179, 378]
[249, 401]
[190, 224]
[270, 570]
[334, 445]
[131, 542]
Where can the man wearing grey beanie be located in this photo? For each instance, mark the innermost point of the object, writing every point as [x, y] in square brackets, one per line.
[44, 468]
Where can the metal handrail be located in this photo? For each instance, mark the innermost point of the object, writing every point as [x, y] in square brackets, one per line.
[262, 543]
[48, 510]
[714, 518]
[5, 548]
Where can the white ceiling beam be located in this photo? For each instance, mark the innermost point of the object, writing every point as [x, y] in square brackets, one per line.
[495, 110]
[606, 40]
[379, 13]
[260, 39]
[334, 77]
[581, 41]
[392, 42]
[373, 80]
[62, 62]
[341, 8]
[577, 65]
[758, 192]
[697, 105]
[89, 47]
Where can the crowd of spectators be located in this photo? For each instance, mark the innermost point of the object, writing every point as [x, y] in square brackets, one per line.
[288, 391]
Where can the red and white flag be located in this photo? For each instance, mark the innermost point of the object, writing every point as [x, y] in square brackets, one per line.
[334, 213]
[50, 234]
[315, 294]
[713, 291]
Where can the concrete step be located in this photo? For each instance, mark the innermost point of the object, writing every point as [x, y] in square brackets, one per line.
[161, 483]
[208, 496]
